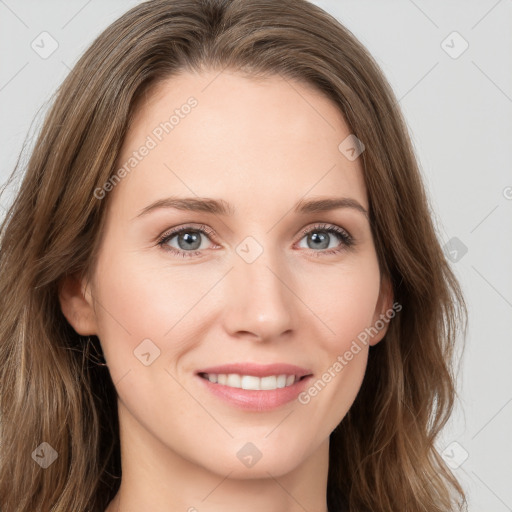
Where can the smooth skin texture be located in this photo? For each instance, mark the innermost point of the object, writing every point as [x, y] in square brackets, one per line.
[261, 145]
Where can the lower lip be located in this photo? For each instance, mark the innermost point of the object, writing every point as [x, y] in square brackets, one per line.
[253, 400]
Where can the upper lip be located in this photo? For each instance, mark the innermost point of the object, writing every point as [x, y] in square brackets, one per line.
[258, 370]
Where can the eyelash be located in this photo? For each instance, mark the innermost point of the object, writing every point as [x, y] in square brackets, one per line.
[345, 237]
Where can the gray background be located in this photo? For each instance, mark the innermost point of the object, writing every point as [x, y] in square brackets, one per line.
[459, 113]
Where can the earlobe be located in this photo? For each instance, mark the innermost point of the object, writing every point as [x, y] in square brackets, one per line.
[76, 308]
[384, 305]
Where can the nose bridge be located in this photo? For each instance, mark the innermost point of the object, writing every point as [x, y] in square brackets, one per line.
[260, 301]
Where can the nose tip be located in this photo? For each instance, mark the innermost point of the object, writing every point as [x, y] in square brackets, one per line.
[260, 302]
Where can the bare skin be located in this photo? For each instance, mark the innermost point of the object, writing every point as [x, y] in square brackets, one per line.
[262, 146]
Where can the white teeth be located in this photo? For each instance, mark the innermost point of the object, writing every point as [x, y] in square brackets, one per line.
[251, 382]
[281, 381]
[234, 380]
[268, 382]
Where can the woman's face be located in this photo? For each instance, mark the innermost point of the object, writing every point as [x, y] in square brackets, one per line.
[262, 283]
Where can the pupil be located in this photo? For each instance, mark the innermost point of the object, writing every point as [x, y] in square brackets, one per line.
[322, 238]
[191, 238]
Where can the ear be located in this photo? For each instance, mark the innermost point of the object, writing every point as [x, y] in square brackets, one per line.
[76, 304]
[384, 304]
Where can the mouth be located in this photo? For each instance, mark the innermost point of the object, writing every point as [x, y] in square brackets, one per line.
[253, 382]
[255, 387]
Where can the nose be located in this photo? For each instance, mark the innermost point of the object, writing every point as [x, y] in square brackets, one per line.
[260, 302]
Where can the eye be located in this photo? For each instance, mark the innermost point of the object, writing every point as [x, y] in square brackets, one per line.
[321, 236]
[188, 239]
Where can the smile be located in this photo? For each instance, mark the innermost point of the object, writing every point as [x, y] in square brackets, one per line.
[252, 382]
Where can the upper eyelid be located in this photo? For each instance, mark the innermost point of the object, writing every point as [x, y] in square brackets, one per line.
[326, 226]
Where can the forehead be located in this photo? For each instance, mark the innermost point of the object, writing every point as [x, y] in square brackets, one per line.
[225, 135]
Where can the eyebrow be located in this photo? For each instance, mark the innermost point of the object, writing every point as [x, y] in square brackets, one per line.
[221, 207]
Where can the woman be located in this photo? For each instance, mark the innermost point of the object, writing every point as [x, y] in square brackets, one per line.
[297, 355]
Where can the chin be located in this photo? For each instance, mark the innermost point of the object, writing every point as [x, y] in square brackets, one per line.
[273, 461]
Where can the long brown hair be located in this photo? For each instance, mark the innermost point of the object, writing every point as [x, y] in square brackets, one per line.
[382, 454]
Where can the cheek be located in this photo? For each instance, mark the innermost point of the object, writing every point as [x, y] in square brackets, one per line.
[346, 311]
[344, 354]
[346, 306]
[138, 301]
